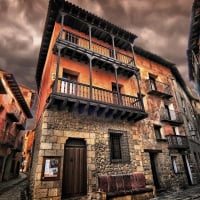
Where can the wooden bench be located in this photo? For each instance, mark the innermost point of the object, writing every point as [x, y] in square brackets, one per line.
[113, 186]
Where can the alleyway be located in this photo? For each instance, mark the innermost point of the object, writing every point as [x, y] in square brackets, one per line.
[11, 190]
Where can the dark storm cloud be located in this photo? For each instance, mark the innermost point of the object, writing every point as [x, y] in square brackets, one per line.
[21, 23]
[162, 27]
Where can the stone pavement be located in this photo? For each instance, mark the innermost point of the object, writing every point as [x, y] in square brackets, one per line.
[190, 193]
[14, 188]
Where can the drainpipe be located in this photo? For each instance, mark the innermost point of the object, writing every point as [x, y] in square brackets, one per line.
[57, 68]
[139, 90]
[90, 68]
[116, 79]
[132, 49]
[113, 45]
[90, 36]
[62, 24]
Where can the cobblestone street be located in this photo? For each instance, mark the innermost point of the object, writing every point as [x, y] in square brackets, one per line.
[193, 192]
[11, 190]
[15, 190]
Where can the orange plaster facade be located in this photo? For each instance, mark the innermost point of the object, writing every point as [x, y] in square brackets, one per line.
[100, 78]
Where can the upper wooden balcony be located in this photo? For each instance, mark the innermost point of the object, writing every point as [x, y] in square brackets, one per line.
[81, 98]
[78, 47]
[7, 139]
[158, 88]
[170, 116]
[13, 112]
[177, 142]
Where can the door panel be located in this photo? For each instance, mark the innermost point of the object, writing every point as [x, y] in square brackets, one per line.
[74, 171]
[154, 170]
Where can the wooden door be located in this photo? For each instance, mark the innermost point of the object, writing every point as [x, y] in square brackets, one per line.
[154, 170]
[69, 83]
[74, 169]
[116, 99]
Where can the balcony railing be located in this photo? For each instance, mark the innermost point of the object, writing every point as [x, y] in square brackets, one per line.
[158, 88]
[97, 94]
[7, 139]
[85, 99]
[96, 47]
[13, 112]
[171, 116]
[194, 135]
[177, 142]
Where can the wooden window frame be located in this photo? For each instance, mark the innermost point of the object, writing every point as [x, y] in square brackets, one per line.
[51, 168]
[157, 131]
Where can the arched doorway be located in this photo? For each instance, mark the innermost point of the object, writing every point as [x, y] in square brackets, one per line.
[74, 168]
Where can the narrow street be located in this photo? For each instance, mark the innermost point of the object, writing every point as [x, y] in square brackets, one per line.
[190, 193]
[14, 189]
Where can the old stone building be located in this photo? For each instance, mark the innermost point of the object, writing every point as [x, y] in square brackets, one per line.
[106, 109]
[164, 139]
[189, 104]
[14, 111]
[193, 45]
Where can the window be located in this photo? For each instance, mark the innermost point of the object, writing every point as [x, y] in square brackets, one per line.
[68, 84]
[115, 93]
[157, 132]
[119, 149]
[183, 104]
[152, 82]
[174, 165]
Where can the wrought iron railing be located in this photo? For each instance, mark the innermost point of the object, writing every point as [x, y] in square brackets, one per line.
[193, 134]
[156, 86]
[83, 91]
[177, 141]
[96, 47]
[171, 115]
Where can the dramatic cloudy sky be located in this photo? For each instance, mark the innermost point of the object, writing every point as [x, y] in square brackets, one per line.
[162, 27]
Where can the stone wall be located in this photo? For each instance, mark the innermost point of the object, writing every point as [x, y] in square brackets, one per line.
[57, 126]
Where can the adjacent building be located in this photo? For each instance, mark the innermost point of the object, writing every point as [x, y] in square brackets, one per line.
[193, 45]
[14, 110]
[105, 107]
[28, 145]
[165, 137]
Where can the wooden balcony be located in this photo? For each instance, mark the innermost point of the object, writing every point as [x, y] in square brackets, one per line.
[13, 112]
[83, 99]
[177, 142]
[170, 116]
[77, 47]
[158, 88]
[7, 139]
